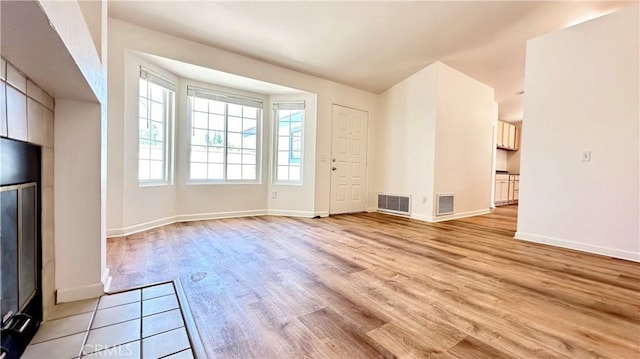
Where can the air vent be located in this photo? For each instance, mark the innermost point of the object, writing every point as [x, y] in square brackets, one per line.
[444, 203]
[394, 204]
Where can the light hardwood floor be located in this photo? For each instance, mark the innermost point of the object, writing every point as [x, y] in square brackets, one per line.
[373, 285]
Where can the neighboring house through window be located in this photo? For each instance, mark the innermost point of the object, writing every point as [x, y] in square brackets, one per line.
[156, 98]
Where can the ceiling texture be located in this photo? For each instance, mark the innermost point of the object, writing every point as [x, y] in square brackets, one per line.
[373, 45]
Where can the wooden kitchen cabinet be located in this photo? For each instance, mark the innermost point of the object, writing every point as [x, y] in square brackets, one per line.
[507, 136]
[502, 189]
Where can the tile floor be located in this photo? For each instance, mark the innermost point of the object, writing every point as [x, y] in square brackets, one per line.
[141, 323]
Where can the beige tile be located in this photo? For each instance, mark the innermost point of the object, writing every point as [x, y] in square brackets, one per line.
[185, 354]
[65, 347]
[164, 344]
[160, 304]
[3, 69]
[129, 350]
[161, 322]
[48, 289]
[16, 114]
[48, 126]
[62, 327]
[157, 291]
[112, 300]
[16, 78]
[35, 122]
[3, 109]
[117, 314]
[112, 335]
[73, 308]
[47, 167]
[34, 91]
[48, 226]
[47, 100]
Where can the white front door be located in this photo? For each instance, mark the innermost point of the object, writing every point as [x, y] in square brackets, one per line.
[348, 160]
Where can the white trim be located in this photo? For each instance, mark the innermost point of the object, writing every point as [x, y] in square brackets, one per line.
[106, 279]
[424, 218]
[126, 231]
[584, 247]
[65, 295]
[277, 212]
[371, 209]
[218, 215]
[118, 232]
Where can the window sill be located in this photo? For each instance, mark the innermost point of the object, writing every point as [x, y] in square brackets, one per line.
[222, 183]
[154, 184]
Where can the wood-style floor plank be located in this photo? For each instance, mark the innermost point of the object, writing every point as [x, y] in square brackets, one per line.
[373, 285]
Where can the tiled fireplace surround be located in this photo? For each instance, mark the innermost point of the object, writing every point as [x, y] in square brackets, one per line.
[26, 114]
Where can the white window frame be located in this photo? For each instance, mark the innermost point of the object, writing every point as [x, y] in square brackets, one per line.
[220, 96]
[167, 125]
[289, 105]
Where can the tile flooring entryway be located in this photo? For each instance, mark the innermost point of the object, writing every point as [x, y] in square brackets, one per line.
[141, 323]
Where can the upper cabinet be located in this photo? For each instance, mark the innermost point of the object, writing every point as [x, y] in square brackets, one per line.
[507, 136]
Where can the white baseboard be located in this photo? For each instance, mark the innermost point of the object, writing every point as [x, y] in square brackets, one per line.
[277, 212]
[126, 231]
[218, 215]
[79, 293]
[584, 247]
[449, 217]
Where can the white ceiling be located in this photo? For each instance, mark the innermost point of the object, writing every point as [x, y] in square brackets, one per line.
[373, 45]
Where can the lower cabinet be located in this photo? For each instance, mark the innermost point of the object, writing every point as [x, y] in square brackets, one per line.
[507, 189]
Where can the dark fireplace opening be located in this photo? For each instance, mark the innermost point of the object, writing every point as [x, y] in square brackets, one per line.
[20, 245]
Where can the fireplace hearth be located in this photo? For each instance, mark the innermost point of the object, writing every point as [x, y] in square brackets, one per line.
[20, 245]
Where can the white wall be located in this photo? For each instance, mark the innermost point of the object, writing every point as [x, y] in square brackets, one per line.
[246, 200]
[435, 135]
[582, 94]
[405, 155]
[464, 141]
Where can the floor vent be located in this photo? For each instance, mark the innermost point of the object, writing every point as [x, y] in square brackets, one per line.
[394, 204]
[444, 203]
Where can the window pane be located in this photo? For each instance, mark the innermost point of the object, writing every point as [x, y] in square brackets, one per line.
[157, 92]
[198, 154]
[283, 143]
[156, 131]
[250, 112]
[143, 110]
[199, 137]
[284, 129]
[296, 116]
[157, 111]
[157, 151]
[249, 126]
[199, 119]
[144, 151]
[216, 122]
[283, 157]
[234, 124]
[143, 127]
[234, 156]
[249, 142]
[234, 172]
[249, 157]
[156, 170]
[216, 107]
[215, 138]
[216, 155]
[216, 171]
[143, 169]
[234, 110]
[283, 173]
[294, 173]
[198, 171]
[142, 88]
[200, 104]
[234, 140]
[248, 172]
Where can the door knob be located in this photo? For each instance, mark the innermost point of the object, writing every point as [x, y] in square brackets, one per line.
[334, 168]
